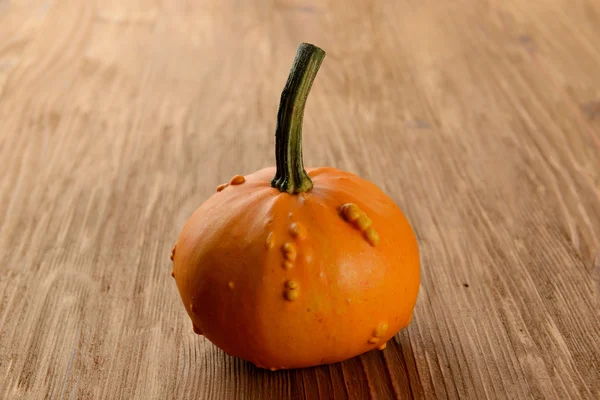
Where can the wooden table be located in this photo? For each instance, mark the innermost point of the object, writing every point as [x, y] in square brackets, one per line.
[480, 119]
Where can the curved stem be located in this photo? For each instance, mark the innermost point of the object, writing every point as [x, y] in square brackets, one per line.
[291, 176]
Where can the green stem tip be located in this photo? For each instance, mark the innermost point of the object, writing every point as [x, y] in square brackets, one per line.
[291, 176]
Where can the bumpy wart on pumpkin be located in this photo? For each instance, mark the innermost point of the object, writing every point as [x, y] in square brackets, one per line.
[359, 219]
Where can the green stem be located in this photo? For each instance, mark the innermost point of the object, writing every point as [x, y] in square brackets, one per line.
[291, 176]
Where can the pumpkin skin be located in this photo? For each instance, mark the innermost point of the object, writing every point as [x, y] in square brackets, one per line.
[351, 296]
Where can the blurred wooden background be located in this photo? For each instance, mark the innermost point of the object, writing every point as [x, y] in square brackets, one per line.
[481, 119]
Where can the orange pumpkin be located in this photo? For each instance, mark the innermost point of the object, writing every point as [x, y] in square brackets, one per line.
[306, 268]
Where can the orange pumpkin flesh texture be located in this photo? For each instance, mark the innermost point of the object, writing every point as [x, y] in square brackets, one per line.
[289, 280]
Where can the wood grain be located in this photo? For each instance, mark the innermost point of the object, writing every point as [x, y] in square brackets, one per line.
[481, 119]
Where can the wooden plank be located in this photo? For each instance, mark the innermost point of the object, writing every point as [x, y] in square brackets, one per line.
[118, 118]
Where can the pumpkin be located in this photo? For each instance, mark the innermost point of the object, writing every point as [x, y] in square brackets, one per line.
[289, 268]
